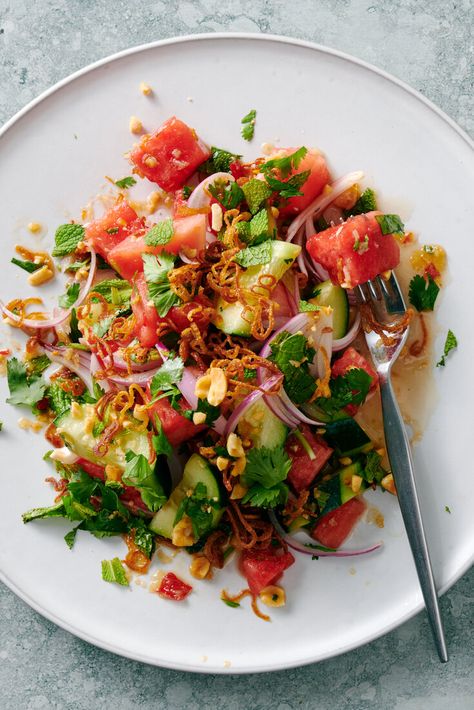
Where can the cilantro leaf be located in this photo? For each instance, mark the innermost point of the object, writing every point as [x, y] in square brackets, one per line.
[113, 571]
[160, 441]
[199, 510]
[156, 271]
[29, 266]
[139, 473]
[255, 193]
[69, 298]
[285, 164]
[101, 328]
[261, 497]
[390, 223]
[229, 194]
[373, 472]
[422, 293]
[266, 467]
[293, 354]
[187, 191]
[350, 388]
[212, 412]
[365, 203]
[114, 290]
[23, 389]
[248, 125]
[59, 400]
[143, 537]
[37, 365]
[255, 255]
[160, 234]
[288, 188]
[451, 343]
[307, 307]
[67, 238]
[76, 265]
[169, 374]
[219, 162]
[126, 182]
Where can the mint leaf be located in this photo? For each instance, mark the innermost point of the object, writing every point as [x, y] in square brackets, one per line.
[365, 203]
[266, 467]
[307, 307]
[143, 537]
[160, 234]
[29, 266]
[59, 400]
[169, 374]
[451, 343]
[23, 389]
[422, 293]
[260, 227]
[126, 182]
[69, 298]
[248, 125]
[113, 290]
[139, 474]
[390, 223]
[199, 509]
[255, 193]
[292, 354]
[53, 511]
[67, 238]
[156, 271]
[261, 497]
[70, 537]
[255, 255]
[113, 571]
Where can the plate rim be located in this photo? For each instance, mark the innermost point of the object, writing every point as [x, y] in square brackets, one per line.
[206, 36]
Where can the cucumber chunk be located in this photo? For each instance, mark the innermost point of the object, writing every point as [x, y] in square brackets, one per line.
[345, 481]
[347, 437]
[328, 294]
[262, 427]
[76, 432]
[229, 315]
[197, 470]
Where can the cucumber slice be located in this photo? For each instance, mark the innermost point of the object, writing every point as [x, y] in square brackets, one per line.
[327, 294]
[76, 432]
[262, 427]
[229, 315]
[347, 437]
[345, 481]
[197, 470]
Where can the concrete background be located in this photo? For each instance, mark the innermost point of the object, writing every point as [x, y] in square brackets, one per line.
[428, 45]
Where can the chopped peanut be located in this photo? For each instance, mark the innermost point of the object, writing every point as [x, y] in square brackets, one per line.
[238, 491]
[183, 535]
[34, 227]
[153, 201]
[202, 386]
[356, 482]
[135, 125]
[199, 567]
[234, 445]
[345, 461]
[239, 466]
[113, 473]
[199, 418]
[25, 423]
[348, 198]
[145, 89]
[218, 388]
[76, 411]
[63, 455]
[216, 217]
[389, 484]
[222, 463]
[273, 596]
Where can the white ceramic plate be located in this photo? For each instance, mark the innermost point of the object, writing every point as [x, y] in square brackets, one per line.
[54, 155]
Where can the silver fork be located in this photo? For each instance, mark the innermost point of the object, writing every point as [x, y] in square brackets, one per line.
[387, 304]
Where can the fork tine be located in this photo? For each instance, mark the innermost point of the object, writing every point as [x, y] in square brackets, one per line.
[374, 290]
[393, 297]
[360, 294]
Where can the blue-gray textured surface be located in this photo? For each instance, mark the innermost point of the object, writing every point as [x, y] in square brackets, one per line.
[425, 43]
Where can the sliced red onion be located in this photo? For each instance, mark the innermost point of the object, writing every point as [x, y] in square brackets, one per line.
[295, 412]
[136, 378]
[200, 196]
[80, 364]
[300, 547]
[351, 335]
[121, 364]
[312, 265]
[322, 340]
[318, 205]
[54, 321]
[187, 387]
[246, 403]
[280, 411]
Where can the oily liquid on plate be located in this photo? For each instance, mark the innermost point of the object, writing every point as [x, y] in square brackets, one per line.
[412, 377]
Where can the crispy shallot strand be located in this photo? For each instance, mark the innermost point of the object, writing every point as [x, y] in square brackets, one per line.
[257, 611]
[53, 437]
[102, 446]
[417, 347]
[59, 486]
[369, 323]
[214, 548]
[19, 307]
[235, 598]
[249, 530]
[296, 507]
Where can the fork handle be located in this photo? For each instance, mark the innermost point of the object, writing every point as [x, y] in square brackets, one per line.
[401, 462]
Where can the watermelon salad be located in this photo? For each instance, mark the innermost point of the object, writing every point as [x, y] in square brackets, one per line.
[201, 379]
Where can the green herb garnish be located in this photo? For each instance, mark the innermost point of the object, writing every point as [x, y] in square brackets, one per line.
[423, 293]
[248, 125]
[67, 238]
[450, 343]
